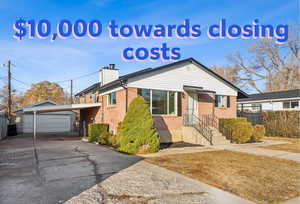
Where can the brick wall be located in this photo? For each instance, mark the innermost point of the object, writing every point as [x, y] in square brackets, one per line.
[116, 113]
[206, 106]
[224, 112]
[169, 127]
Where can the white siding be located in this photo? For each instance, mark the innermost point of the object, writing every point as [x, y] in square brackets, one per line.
[277, 106]
[266, 106]
[269, 105]
[173, 78]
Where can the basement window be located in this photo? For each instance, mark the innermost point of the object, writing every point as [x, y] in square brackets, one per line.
[112, 99]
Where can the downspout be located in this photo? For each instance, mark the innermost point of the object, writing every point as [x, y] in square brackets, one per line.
[124, 85]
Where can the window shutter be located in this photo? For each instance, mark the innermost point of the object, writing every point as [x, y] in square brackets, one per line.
[216, 100]
[228, 101]
[179, 104]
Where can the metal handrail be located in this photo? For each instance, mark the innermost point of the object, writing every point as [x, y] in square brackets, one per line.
[199, 125]
[211, 121]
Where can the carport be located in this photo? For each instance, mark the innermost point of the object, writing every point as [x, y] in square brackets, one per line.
[69, 107]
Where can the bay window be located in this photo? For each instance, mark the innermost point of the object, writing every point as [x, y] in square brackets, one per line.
[162, 102]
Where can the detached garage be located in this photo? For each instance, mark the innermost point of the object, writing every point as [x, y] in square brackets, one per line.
[47, 122]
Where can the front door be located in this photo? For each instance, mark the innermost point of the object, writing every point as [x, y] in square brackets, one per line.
[192, 107]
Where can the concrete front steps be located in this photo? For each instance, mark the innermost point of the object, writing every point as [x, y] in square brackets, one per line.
[218, 138]
[193, 136]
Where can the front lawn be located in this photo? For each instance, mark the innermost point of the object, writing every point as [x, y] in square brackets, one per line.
[293, 147]
[257, 178]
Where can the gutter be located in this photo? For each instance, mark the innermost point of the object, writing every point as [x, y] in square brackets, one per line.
[268, 100]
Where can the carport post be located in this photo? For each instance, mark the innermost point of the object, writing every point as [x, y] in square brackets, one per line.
[34, 125]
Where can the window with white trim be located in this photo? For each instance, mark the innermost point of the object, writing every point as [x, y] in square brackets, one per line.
[112, 99]
[162, 102]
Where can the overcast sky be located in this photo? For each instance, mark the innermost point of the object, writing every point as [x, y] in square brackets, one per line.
[36, 60]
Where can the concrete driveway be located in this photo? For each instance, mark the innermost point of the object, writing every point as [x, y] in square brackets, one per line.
[54, 170]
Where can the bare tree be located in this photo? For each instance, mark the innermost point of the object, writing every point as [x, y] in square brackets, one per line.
[230, 73]
[17, 97]
[275, 65]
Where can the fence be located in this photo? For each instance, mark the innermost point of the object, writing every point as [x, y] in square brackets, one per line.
[252, 112]
[3, 126]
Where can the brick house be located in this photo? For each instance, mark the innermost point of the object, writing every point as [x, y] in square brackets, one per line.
[185, 99]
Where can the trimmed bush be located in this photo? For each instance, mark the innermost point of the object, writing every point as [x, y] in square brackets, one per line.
[258, 133]
[106, 138]
[94, 130]
[242, 132]
[226, 125]
[137, 134]
[282, 123]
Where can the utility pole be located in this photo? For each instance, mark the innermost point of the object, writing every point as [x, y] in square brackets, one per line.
[71, 91]
[9, 91]
[9, 101]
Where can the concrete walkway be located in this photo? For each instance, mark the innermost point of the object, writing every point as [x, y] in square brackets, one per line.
[147, 183]
[292, 201]
[254, 149]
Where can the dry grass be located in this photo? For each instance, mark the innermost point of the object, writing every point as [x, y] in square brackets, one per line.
[294, 147]
[257, 178]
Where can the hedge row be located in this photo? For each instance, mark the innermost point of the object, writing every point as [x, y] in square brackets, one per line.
[240, 131]
[282, 123]
[99, 133]
[95, 130]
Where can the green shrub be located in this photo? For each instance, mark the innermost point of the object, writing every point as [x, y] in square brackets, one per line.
[258, 133]
[242, 132]
[282, 123]
[137, 134]
[106, 138]
[94, 130]
[226, 125]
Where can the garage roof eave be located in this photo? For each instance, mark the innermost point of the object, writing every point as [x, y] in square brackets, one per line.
[67, 107]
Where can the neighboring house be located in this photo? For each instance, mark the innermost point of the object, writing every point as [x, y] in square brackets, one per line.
[179, 94]
[271, 101]
[60, 121]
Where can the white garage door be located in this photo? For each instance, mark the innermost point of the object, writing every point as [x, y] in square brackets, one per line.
[47, 123]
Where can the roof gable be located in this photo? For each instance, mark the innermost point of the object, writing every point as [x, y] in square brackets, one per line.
[176, 76]
[123, 79]
[41, 103]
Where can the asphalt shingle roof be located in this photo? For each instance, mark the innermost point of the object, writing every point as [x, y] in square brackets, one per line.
[123, 78]
[272, 95]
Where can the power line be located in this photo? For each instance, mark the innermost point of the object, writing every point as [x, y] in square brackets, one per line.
[79, 77]
[22, 82]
